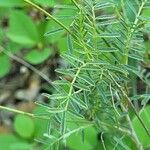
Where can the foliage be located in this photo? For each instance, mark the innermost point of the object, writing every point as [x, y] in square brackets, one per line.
[26, 130]
[144, 138]
[96, 94]
[23, 122]
[26, 33]
[104, 48]
[11, 142]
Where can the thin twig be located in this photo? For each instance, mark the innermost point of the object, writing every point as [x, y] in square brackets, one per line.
[21, 61]
[138, 143]
[23, 113]
[75, 4]
[103, 143]
[131, 104]
[113, 102]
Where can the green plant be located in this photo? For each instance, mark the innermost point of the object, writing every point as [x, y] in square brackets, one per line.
[93, 96]
[27, 34]
[25, 131]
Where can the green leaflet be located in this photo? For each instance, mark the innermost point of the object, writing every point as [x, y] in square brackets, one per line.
[9, 3]
[72, 59]
[53, 32]
[55, 96]
[5, 65]
[102, 5]
[22, 30]
[81, 86]
[38, 56]
[24, 122]
[86, 79]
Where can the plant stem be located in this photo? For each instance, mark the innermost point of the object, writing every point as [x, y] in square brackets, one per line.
[71, 86]
[23, 113]
[48, 14]
[131, 104]
[133, 134]
[103, 143]
[29, 66]
[136, 113]
[130, 34]
[73, 1]
[16, 111]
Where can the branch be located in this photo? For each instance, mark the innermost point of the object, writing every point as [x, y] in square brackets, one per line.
[48, 14]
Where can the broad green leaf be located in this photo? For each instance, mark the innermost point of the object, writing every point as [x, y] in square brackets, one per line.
[10, 3]
[46, 2]
[40, 128]
[146, 12]
[67, 1]
[7, 141]
[5, 65]
[24, 126]
[13, 47]
[38, 56]
[75, 141]
[22, 30]
[62, 45]
[23, 145]
[1, 35]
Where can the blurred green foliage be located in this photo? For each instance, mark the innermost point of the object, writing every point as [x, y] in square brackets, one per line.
[24, 32]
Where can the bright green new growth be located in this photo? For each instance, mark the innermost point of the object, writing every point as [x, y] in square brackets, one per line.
[93, 90]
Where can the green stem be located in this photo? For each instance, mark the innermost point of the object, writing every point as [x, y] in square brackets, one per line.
[23, 113]
[75, 4]
[133, 134]
[71, 86]
[125, 62]
[16, 111]
[130, 34]
[130, 103]
[136, 113]
[48, 14]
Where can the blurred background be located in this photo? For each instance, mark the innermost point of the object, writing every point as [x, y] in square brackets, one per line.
[28, 58]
